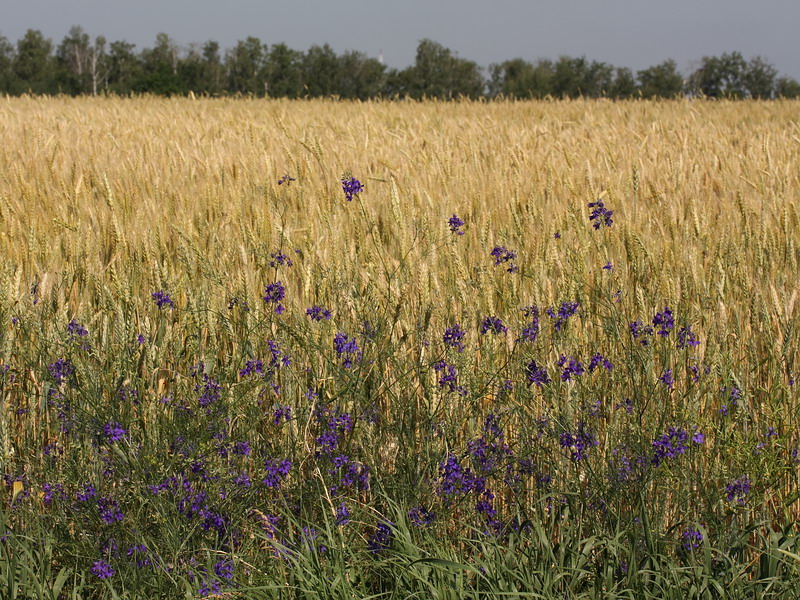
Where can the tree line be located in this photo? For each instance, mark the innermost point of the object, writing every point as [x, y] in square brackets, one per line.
[80, 65]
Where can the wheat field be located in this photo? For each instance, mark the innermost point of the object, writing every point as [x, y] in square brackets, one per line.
[109, 205]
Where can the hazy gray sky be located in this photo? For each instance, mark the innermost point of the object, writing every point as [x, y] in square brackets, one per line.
[632, 33]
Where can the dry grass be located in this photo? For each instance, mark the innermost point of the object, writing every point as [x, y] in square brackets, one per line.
[163, 192]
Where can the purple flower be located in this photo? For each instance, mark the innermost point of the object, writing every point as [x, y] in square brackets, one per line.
[454, 336]
[381, 539]
[347, 349]
[579, 442]
[74, 329]
[351, 187]
[278, 259]
[608, 266]
[61, 370]
[599, 360]
[664, 321]
[318, 313]
[448, 377]
[571, 368]
[140, 554]
[502, 255]
[698, 437]
[224, 569]
[640, 330]
[342, 514]
[687, 337]
[531, 332]
[420, 516]
[738, 489]
[557, 235]
[565, 311]
[455, 225]
[109, 510]
[287, 180]
[536, 374]
[282, 413]
[669, 445]
[600, 214]
[102, 570]
[162, 299]
[276, 472]
[114, 431]
[667, 379]
[274, 294]
[140, 339]
[493, 325]
[692, 539]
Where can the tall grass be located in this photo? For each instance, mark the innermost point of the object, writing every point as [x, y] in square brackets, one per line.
[669, 472]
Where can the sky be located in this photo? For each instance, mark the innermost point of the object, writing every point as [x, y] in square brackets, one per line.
[624, 33]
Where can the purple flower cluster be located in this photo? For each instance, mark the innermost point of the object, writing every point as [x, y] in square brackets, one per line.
[492, 324]
[531, 331]
[448, 377]
[536, 374]
[600, 214]
[274, 294]
[692, 539]
[114, 432]
[455, 225]
[61, 370]
[211, 391]
[102, 570]
[109, 510]
[347, 349]
[664, 321]
[667, 379]
[454, 337]
[351, 187]
[162, 299]
[319, 313]
[687, 337]
[579, 443]
[287, 180]
[278, 258]
[641, 332]
[673, 443]
[381, 539]
[571, 367]
[501, 255]
[275, 472]
[599, 360]
[337, 424]
[421, 516]
[456, 480]
[565, 311]
[738, 490]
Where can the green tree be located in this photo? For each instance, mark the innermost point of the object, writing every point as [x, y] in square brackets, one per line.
[33, 64]
[124, 68]
[660, 81]
[72, 59]
[160, 68]
[624, 85]
[284, 72]
[577, 77]
[438, 73]
[360, 77]
[213, 69]
[720, 77]
[320, 67]
[245, 65]
[7, 77]
[786, 87]
[759, 78]
[518, 78]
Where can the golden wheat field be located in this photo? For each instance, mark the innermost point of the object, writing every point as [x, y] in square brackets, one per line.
[151, 191]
